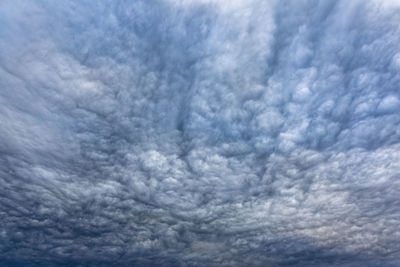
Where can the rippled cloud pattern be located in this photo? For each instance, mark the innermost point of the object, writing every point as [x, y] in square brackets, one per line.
[200, 133]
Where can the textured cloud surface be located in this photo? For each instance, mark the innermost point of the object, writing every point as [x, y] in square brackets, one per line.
[200, 133]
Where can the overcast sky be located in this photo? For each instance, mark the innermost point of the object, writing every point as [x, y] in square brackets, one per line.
[200, 133]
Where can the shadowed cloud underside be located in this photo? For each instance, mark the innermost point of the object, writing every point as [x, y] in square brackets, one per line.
[200, 133]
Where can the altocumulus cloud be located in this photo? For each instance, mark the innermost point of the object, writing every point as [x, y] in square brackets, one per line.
[200, 133]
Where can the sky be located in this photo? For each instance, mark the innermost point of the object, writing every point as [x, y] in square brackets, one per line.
[200, 133]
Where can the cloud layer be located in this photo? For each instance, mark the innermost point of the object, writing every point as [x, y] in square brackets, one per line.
[200, 133]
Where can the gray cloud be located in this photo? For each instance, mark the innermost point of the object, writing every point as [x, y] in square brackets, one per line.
[199, 133]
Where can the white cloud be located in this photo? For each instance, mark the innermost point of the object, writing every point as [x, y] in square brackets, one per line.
[218, 133]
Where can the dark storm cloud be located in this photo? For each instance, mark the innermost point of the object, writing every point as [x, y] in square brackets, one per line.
[199, 133]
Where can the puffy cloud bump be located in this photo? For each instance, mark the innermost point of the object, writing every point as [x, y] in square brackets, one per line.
[200, 133]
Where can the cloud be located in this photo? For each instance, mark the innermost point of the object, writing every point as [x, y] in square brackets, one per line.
[199, 133]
